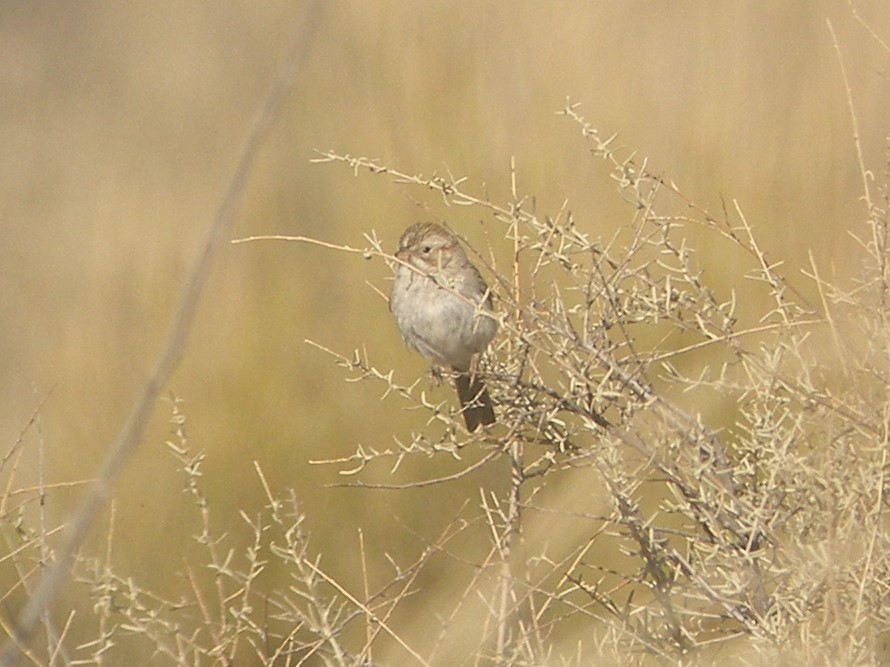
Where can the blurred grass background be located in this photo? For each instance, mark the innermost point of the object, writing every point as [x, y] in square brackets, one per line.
[120, 127]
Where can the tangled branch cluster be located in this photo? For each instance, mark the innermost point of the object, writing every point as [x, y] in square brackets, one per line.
[762, 519]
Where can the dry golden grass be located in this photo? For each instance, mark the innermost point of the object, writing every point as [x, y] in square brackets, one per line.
[691, 375]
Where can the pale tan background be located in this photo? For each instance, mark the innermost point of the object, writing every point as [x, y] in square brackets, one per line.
[119, 127]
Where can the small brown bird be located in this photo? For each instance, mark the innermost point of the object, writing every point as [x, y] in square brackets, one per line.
[440, 304]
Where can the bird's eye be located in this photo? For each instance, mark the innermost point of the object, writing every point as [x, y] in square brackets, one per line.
[427, 249]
